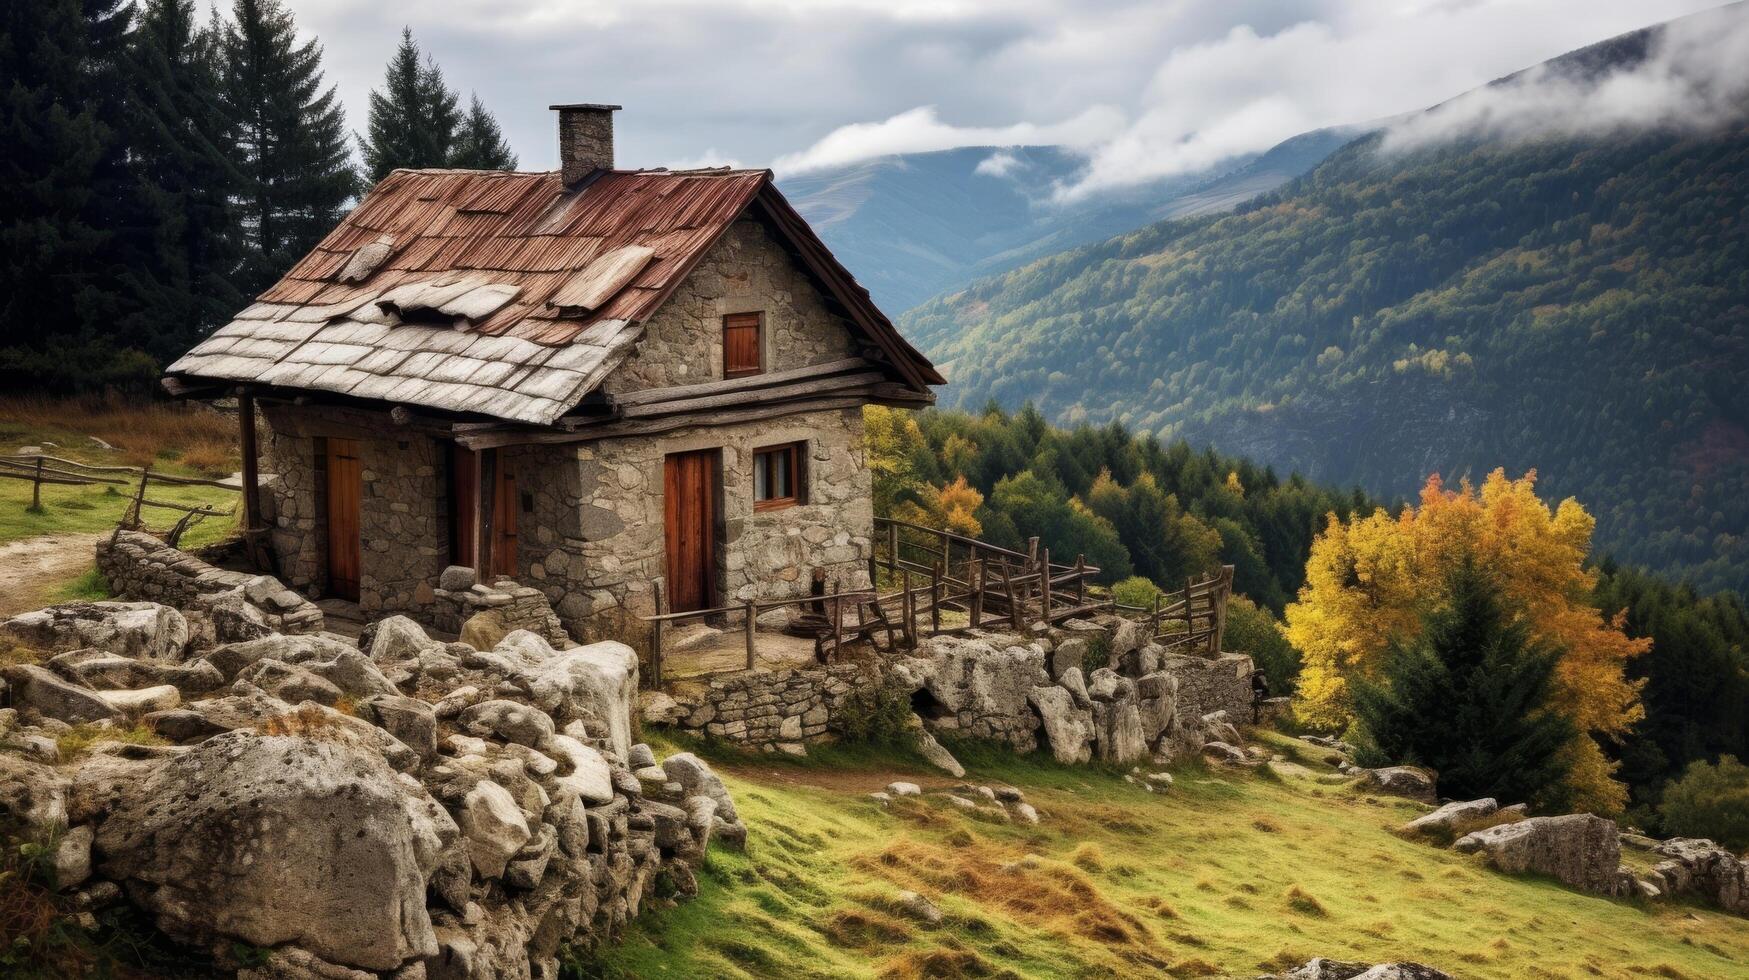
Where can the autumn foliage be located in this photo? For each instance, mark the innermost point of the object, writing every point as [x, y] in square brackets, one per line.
[1372, 578]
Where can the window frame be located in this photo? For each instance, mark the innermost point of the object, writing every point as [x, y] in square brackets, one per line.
[798, 456]
[758, 326]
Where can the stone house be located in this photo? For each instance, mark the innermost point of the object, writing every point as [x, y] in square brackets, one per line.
[602, 383]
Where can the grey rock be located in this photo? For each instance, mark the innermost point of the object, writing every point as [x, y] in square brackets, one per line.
[410, 720]
[1452, 814]
[129, 629]
[508, 720]
[289, 682]
[40, 690]
[1068, 729]
[1579, 849]
[272, 839]
[1411, 782]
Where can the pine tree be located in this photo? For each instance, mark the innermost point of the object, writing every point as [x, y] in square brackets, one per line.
[291, 145]
[480, 143]
[413, 120]
[58, 102]
[1469, 698]
[182, 247]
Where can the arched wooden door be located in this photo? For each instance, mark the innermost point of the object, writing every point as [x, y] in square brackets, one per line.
[689, 485]
[345, 487]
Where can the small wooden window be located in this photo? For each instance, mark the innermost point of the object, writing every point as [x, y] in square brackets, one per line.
[778, 478]
[741, 344]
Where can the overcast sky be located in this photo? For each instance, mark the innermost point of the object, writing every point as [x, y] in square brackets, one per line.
[1146, 87]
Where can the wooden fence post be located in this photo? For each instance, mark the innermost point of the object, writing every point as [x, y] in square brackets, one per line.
[1080, 580]
[1044, 586]
[908, 609]
[145, 474]
[752, 613]
[1016, 618]
[1154, 618]
[837, 620]
[975, 579]
[935, 597]
[36, 487]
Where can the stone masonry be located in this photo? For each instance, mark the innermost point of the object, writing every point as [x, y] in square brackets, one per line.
[590, 515]
[139, 566]
[773, 710]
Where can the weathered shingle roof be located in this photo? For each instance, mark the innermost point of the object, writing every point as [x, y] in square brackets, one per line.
[525, 360]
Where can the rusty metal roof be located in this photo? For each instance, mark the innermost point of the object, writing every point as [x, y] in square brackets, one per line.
[526, 230]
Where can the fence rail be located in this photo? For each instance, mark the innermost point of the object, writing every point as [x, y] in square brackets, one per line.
[936, 570]
[56, 471]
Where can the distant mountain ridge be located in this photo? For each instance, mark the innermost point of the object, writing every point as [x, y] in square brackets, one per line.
[1579, 305]
[917, 224]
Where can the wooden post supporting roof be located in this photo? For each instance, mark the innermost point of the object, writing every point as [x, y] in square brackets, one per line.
[253, 545]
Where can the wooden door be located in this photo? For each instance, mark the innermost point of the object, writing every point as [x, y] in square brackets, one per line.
[689, 483]
[345, 489]
[464, 497]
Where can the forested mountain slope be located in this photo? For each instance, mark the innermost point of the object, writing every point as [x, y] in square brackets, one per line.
[913, 225]
[1576, 305]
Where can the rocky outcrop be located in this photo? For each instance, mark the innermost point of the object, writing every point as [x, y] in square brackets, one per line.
[1699, 867]
[1323, 969]
[982, 688]
[1580, 849]
[129, 629]
[465, 815]
[271, 840]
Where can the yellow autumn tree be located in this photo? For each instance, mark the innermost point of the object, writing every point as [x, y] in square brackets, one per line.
[955, 508]
[1371, 578]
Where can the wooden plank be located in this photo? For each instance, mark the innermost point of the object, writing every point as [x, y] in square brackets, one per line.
[732, 385]
[800, 389]
[643, 427]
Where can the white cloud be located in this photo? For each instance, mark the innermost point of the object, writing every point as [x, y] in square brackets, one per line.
[998, 164]
[921, 129]
[1696, 75]
[1247, 91]
[1148, 87]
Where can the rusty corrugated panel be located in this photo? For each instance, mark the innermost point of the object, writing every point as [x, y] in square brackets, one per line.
[529, 231]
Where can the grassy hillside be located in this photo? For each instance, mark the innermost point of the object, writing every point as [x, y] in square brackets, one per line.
[1224, 875]
[1576, 306]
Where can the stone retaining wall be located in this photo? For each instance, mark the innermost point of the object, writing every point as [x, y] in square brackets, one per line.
[458, 598]
[237, 605]
[1207, 685]
[775, 710]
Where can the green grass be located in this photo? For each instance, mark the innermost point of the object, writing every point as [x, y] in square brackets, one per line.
[1226, 874]
[175, 440]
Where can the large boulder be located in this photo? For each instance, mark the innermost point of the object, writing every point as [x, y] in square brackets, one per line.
[105, 670]
[1451, 815]
[128, 629]
[231, 658]
[1323, 969]
[1068, 730]
[984, 684]
[310, 840]
[39, 690]
[493, 827]
[510, 721]
[1580, 849]
[596, 684]
[1410, 782]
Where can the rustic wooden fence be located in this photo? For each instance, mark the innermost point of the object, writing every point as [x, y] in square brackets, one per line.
[977, 584]
[56, 471]
[1193, 620]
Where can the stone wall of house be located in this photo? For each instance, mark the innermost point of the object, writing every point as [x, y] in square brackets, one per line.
[599, 543]
[403, 518]
[745, 272]
[774, 710]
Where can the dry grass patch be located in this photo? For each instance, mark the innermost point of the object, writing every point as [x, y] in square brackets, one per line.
[142, 432]
[1300, 901]
[81, 738]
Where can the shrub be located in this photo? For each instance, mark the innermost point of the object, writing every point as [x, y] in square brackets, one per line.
[1710, 800]
[878, 715]
[1252, 630]
[1136, 591]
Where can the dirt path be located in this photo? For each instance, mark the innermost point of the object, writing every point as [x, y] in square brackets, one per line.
[32, 568]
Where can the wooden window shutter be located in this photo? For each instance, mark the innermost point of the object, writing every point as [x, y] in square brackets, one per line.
[741, 344]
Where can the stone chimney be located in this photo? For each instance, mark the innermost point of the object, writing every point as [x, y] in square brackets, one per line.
[585, 139]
